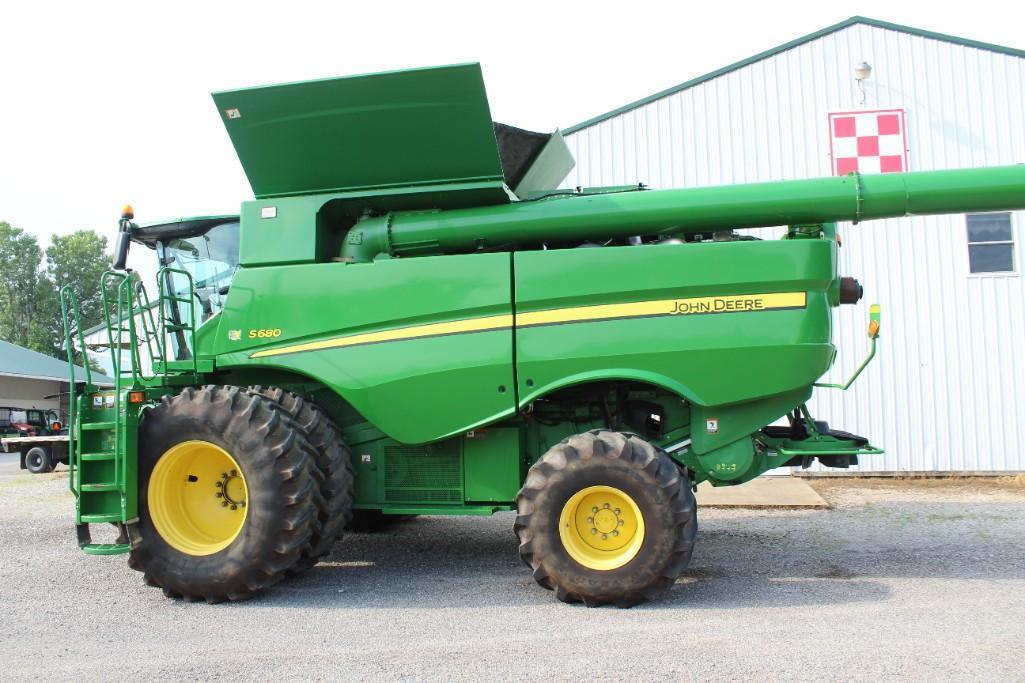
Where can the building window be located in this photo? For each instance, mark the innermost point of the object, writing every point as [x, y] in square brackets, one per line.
[990, 243]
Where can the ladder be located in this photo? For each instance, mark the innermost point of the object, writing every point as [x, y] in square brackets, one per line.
[103, 425]
[98, 470]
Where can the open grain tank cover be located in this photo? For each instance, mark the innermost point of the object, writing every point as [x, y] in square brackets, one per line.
[378, 133]
[415, 127]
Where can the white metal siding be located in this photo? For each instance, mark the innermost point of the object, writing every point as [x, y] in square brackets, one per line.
[945, 392]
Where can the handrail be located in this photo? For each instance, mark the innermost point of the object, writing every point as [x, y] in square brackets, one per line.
[167, 296]
[106, 281]
[125, 288]
[69, 305]
[150, 331]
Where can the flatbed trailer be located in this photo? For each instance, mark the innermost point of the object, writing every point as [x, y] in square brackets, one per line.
[38, 453]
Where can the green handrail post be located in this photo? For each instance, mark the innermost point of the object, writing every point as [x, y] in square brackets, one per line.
[106, 281]
[168, 297]
[69, 311]
[150, 330]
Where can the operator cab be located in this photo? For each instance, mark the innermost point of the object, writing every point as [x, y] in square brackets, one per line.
[204, 247]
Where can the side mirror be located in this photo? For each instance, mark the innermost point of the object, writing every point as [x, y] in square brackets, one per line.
[121, 250]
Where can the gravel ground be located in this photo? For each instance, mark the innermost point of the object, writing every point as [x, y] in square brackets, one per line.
[913, 580]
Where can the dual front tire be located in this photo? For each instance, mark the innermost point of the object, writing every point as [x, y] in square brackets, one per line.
[236, 492]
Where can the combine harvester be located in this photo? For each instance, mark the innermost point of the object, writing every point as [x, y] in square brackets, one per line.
[411, 319]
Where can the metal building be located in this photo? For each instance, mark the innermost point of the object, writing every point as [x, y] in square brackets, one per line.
[29, 379]
[947, 391]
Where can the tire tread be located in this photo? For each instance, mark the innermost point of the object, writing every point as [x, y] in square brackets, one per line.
[640, 455]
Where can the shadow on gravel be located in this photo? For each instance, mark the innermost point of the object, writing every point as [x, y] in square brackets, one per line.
[445, 563]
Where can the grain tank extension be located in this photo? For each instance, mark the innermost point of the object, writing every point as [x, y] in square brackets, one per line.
[411, 318]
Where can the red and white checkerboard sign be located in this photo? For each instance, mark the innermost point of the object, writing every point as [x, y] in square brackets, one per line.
[868, 141]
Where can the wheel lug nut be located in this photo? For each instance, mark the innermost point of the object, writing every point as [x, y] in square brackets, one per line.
[219, 494]
[590, 520]
[242, 504]
[593, 530]
[617, 511]
[621, 522]
[604, 537]
[224, 504]
[234, 473]
[234, 507]
[594, 509]
[219, 484]
[615, 532]
[606, 506]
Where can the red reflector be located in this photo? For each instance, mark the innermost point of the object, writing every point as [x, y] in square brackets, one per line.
[136, 396]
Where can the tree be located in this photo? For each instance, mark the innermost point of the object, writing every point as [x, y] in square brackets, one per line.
[79, 260]
[19, 283]
[30, 307]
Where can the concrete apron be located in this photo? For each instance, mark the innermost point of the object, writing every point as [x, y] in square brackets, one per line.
[763, 492]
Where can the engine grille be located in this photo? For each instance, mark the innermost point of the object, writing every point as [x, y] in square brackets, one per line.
[419, 474]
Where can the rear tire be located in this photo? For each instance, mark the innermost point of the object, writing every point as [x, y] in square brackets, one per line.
[38, 460]
[334, 463]
[272, 487]
[643, 508]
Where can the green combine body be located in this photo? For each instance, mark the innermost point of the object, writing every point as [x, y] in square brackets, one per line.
[411, 318]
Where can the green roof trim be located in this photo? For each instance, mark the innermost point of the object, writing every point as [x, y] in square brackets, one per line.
[17, 361]
[1013, 52]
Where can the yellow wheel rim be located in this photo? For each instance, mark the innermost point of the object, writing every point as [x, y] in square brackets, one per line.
[601, 527]
[198, 499]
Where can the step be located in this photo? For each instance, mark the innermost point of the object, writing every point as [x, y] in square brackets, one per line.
[97, 517]
[102, 486]
[106, 548]
[95, 426]
[98, 455]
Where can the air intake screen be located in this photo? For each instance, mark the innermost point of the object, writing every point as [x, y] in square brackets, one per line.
[419, 474]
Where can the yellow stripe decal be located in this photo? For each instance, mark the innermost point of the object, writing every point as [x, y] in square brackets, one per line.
[644, 309]
[579, 314]
[491, 322]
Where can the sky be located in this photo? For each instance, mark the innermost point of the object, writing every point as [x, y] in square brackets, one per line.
[104, 103]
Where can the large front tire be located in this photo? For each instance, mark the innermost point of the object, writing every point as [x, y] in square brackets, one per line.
[333, 460]
[226, 495]
[605, 517]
